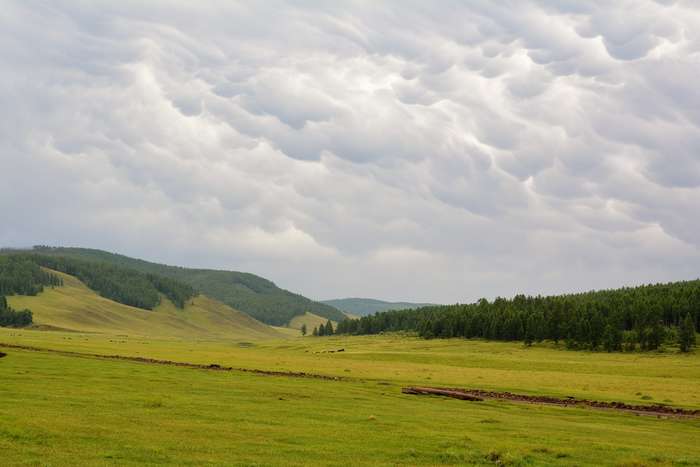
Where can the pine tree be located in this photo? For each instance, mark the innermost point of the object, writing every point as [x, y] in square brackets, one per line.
[303, 329]
[315, 332]
[686, 334]
[612, 338]
[531, 330]
[328, 331]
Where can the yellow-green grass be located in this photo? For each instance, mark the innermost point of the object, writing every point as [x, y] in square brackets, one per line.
[311, 320]
[60, 410]
[289, 332]
[669, 378]
[75, 307]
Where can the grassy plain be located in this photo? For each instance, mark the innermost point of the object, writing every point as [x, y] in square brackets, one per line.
[62, 410]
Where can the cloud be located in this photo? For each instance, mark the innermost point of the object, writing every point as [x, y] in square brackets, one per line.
[349, 149]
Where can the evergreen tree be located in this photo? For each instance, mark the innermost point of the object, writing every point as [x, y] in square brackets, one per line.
[303, 329]
[686, 334]
[531, 330]
[612, 338]
[315, 332]
[328, 331]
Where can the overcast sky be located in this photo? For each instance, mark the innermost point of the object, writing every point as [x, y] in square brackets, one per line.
[433, 151]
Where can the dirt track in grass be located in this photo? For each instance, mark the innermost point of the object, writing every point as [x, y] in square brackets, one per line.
[476, 395]
[153, 361]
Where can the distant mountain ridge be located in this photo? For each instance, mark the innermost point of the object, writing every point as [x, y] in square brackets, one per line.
[251, 294]
[367, 306]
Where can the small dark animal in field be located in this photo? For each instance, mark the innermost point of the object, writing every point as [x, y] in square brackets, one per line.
[3, 354]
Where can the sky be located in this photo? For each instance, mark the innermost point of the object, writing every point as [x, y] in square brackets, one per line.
[404, 150]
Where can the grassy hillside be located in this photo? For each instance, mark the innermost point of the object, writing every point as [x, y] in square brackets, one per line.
[254, 295]
[311, 320]
[75, 307]
[367, 306]
[240, 418]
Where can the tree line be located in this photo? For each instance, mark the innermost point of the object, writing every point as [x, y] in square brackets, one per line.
[19, 276]
[122, 285]
[12, 318]
[254, 295]
[320, 330]
[626, 319]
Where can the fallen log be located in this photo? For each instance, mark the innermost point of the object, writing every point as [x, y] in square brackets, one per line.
[480, 395]
[441, 392]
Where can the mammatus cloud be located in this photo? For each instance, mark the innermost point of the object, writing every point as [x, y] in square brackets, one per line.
[403, 151]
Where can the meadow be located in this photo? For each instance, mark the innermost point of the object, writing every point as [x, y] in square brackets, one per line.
[64, 409]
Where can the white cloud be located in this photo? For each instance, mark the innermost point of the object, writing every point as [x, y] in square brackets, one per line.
[402, 151]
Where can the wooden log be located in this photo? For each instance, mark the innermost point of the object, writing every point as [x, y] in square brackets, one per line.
[422, 391]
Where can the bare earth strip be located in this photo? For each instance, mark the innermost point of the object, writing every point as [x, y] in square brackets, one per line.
[212, 366]
[480, 395]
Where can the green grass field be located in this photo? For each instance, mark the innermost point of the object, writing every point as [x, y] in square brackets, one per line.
[63, 410]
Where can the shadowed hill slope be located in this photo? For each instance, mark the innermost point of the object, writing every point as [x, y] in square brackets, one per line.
[254, 295]
[74, 306]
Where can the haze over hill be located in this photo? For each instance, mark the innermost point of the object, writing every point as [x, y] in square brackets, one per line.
[367, 306]
[254, 295]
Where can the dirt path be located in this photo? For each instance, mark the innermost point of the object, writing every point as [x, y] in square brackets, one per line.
[152, 361]
[480, 395]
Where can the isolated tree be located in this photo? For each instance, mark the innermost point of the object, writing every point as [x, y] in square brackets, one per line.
[314, 332]
[686, 334]
[328, 331]
[303, 329]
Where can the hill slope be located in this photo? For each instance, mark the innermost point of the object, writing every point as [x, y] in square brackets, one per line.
[368, 306]
[73, 306]
[254, 295]
[311, 320]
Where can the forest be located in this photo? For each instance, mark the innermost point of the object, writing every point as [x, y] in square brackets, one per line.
[12, 318]
[252, 294]
[21, 276]
[624, 319]
[21, 273]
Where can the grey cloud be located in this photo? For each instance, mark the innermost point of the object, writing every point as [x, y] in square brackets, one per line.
[399, 150]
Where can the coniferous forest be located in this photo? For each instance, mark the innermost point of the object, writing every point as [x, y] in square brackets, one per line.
[614, 320]
[12, 318]
[21, 273]
[23, 277]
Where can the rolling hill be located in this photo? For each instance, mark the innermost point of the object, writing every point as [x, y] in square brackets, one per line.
[75, 307]
[368, 306]
[311, 320]
[254, 295]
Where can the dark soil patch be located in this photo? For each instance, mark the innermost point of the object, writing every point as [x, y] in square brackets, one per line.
[480, 395]
[211, 366]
